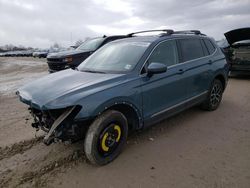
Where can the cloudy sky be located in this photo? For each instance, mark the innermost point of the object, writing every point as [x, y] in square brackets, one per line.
[40, 23]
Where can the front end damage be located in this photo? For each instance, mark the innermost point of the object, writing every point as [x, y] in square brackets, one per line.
[56, 102]
[59, 124]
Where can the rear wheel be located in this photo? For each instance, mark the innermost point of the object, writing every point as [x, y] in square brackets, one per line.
[214, 97]
[106, 137]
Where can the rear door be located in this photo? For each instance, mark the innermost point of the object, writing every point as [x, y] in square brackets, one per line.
[195, 56]
[163, 91]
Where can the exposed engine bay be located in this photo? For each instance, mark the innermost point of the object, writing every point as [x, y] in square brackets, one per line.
[58, 124]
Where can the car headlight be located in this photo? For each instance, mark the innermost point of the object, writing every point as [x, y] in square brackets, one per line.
[68, 59]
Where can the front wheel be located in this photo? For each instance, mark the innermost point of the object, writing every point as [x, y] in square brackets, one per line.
[214, 97]
[106, 137]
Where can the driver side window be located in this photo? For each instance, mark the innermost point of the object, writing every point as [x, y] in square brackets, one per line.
[165, 53]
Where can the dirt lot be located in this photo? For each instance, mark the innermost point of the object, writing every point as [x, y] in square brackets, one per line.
[192, 149]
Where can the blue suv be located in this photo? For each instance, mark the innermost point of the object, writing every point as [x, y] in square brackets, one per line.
[127, 85]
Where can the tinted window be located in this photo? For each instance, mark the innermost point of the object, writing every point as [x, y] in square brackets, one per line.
[205, 50]
[191, 49]
[210, 46]
[165, 53]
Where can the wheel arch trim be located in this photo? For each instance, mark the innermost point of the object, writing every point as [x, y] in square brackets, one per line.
[112, 104]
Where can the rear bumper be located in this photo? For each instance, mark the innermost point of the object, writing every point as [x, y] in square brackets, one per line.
[240, 69]
[239, 72]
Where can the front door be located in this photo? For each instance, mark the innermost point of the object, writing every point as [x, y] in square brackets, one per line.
[166, 90]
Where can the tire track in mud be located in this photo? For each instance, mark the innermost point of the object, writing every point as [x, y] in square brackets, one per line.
[33, 165]
[36, 178]
[18, 148]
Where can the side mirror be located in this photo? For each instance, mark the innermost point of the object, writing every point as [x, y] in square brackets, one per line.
[156, 68]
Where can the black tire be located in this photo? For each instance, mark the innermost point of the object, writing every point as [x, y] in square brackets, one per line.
[103, 141]
[214, 96]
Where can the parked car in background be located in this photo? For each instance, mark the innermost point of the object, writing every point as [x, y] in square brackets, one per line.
[72, 58]
[20, 53]
[23, 53]
[40, 53]
[27, 53]
[238, 50]
[11, 53]
[44, 53]
[127, 85]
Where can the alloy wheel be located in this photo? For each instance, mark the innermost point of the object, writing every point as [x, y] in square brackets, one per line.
[216, 94]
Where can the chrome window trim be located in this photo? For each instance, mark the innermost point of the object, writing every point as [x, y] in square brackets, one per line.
[178, 54]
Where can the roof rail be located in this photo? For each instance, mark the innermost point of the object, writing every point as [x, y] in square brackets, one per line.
[196, 32]
[167, 31]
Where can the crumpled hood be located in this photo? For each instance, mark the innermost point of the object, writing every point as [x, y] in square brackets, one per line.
[42, 92]
[238, 35]
[66, 53]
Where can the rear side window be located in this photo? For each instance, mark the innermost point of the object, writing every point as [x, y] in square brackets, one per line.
[190, 49]
[204, 47]
[209, 46]
[165, 53]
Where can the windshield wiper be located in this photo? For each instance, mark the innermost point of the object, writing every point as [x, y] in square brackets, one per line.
[94, 71]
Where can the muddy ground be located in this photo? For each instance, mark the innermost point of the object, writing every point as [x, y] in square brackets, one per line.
[192, 149]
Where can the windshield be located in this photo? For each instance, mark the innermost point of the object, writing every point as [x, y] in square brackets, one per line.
[115, 57]
[91, 44]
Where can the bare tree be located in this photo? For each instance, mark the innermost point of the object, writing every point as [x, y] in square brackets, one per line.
[55, 45]
[78, 42]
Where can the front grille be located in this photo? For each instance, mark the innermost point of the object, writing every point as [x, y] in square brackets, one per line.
[56, 66]
[54, 59]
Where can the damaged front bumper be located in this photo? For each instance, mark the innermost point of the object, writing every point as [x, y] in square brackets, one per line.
[50, 136]
[57, 119]
[59, 124]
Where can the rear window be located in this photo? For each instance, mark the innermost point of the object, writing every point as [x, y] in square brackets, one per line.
[190, 49]
[209, 46]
